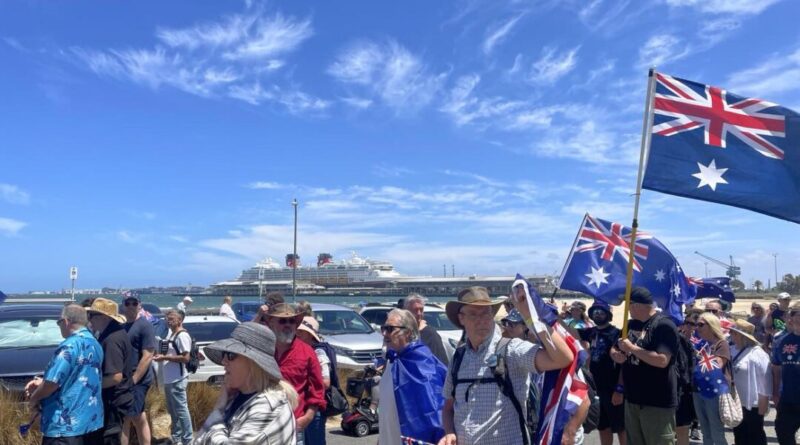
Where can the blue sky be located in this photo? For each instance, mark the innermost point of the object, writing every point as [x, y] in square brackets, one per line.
[154, 143]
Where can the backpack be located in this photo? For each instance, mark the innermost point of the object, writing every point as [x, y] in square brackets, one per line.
[500, 376]
[194, 353]
[336, 402]
[593, 416]
[684, 364]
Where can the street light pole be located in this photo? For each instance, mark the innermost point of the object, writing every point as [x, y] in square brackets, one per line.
[775, 256]
[294, 262]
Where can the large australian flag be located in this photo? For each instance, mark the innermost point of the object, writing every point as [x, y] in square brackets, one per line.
[714, 287]
[713, 145]
[598, 263]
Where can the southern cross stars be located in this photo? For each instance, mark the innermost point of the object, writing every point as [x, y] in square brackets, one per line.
[597, 277]
[710, 175]
[660, 275]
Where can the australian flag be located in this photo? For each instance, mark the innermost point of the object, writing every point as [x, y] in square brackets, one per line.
[713, 145]
[716, 287]
[598, 263]
[708, 375]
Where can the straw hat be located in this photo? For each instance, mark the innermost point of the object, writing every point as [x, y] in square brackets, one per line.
[746, 329]
[472, 296]
[310, 325]
[284, 310]
[251, 340]
[108, 308]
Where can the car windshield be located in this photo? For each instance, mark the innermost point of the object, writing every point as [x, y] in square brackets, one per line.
[341, 322]
[439, 321]
[30, 333]
[376, 316]
[208, 331]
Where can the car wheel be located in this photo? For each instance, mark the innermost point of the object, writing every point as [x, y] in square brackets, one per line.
[361, 428]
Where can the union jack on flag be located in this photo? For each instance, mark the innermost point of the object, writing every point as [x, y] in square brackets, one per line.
[708, 375]
[711, 110]
[714, 145]
[790, 349]
[608, 237]
[707, 362]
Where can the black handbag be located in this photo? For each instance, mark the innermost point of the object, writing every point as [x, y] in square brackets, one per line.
[336, 402]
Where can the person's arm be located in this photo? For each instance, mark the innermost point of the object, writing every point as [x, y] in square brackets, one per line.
[315, 393]
[43, 391]
[652, 358]
[112, 380]
[568, 437]
[448, 423]
[143, 366]
[555, 354]
[776, 384]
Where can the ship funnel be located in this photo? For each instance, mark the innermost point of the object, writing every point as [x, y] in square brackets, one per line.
[292, 260]
[324, 258]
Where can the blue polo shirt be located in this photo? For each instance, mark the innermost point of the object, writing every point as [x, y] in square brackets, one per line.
[786, 354]
[76, 408]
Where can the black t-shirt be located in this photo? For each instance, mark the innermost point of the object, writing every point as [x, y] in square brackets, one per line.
[646, 384]
[433, 341]
[117, 357]
[604, 370]
[237, 403]
[143, 338]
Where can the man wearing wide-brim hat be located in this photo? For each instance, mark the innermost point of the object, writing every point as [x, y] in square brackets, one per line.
[475, 410]
[107, 322]
[299, 365]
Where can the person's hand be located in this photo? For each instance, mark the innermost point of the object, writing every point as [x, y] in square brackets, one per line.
[568, 437]
[159, 358]
[625, 345]
[617, 398]
[31, 386]
[617, 356]
[305, 420]
[776, 399]
[448, 439]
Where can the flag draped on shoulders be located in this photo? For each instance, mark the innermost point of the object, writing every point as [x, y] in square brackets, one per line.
[710, 144]
[598, 262]
[418, 378]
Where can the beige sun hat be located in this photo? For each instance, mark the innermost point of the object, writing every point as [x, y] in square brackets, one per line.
[746, 329]
[472, 296]
[108, 308]
[285, 310]
[310, 325]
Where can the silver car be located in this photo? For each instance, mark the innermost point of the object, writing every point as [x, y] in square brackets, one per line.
[356, 343]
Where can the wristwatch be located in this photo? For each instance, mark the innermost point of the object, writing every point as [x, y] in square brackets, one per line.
[620, 389]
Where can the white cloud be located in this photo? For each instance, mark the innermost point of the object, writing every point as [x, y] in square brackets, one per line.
[265, 185]
[11, 227]
[499, 33]
[661, 49]
[464, 107]
[388, 71]
[390, 171]
[272, 37]
[357, 102]
[13, 194]
[598, 14]
[129, 237]
[725, 6]
[775, 75]
[552, 66]
[296, 102]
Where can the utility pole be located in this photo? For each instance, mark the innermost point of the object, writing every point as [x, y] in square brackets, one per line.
[444, 270]
[73, 275]
[775, 257]
[294, 263]
[453, 270]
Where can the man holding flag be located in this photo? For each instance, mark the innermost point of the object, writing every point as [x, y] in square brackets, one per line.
[487, 382]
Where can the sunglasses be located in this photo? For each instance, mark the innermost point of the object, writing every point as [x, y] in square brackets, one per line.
[286, 321]
[387, 328]
[60, 321]
[713, 311]
[508, 323]
[689, 323]
[131, 303]
[229, 356]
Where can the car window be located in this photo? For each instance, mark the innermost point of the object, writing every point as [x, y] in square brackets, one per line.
[209, 330]
[376, 316]
[341, 322]
[439, 321]
[33, 333]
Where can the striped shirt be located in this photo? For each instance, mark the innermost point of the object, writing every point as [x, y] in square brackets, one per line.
[266, 418]
[484, 415]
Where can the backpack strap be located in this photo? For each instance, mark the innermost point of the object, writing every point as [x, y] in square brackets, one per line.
[174, 340]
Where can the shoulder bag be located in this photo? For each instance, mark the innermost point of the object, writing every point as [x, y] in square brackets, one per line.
[730, 407]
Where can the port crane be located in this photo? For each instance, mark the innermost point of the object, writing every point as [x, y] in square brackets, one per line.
[731, 270]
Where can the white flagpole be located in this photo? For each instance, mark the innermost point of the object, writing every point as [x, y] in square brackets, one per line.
[647, 125]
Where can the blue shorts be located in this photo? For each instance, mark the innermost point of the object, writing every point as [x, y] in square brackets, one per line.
[139, 392]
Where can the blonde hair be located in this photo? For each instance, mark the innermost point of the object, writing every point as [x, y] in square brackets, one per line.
[264, 382]
[228, 299]
[713, 323]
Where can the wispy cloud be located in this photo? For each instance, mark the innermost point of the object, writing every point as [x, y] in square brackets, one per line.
[11, 227]
[597, 14]
[231, 58]
[775, 75]
[465, 107]
[553, 65]
[662, 49]
[266, 185]
[390, 72]
[725, 6]
[390, 171]
[498, 33]
[13, 194]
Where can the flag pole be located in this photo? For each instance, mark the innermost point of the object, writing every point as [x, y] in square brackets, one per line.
[647, 124]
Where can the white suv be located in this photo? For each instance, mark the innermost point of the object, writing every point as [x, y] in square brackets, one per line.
[206, 329]
[356, 343]
[434, 315]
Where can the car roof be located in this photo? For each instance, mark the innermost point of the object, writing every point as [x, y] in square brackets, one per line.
[322, 307]
[207, 319]
[30, 310]
[428, 308]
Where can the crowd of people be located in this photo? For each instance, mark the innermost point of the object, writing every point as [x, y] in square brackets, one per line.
[662, 384]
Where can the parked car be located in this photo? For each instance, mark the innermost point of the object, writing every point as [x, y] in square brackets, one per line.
[246, 310]
[356, 343]
[206, 329]
[29, 335]
[434, 315]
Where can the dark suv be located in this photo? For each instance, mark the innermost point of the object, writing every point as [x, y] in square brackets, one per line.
[29, 335]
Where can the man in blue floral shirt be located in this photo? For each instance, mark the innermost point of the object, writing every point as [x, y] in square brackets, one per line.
[68, 397]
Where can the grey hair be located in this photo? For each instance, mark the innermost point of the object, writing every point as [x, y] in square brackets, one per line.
[412, 298]
[407, 320]
[75, 314]
[181, 315]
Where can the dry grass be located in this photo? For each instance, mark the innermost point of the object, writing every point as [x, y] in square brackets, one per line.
[14, 413]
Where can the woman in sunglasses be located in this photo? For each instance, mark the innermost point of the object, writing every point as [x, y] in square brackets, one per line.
[711, 378]
[255, 405]
[411, 387]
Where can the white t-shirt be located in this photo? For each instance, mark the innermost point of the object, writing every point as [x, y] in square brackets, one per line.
[750, 372]
[172, 370]
[226, 311]
[324, 362]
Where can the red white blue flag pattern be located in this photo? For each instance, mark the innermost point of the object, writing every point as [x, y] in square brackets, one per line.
[598, 265]
[713, 145]
[708, 375]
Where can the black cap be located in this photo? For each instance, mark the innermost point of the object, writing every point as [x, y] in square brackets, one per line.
[641, 295]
